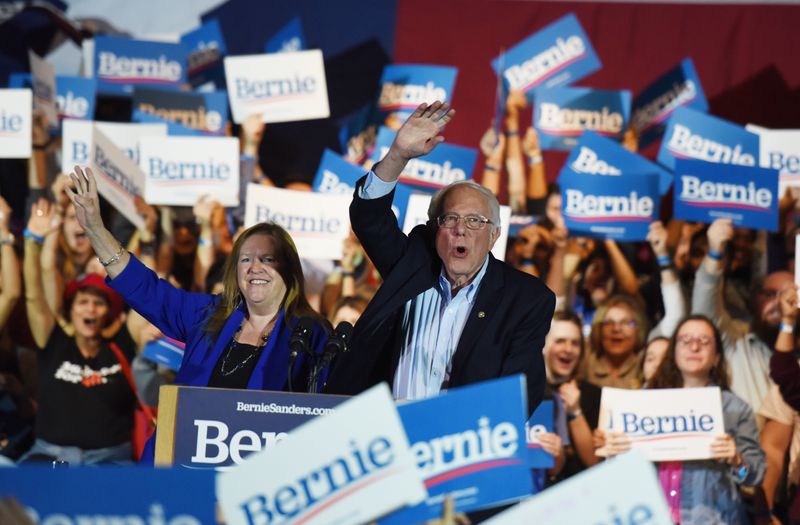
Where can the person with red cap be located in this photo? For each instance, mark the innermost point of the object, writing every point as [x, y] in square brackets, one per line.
[85, 401]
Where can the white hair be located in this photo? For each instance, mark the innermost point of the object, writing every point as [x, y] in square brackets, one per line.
[437, 202]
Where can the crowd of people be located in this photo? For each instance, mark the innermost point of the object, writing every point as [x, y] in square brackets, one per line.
[695, 305]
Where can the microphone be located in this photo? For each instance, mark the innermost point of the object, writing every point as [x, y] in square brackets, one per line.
[299, 342]
[337, 342]
[301, 337]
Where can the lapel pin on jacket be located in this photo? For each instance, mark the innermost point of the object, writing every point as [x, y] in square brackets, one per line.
[481, 314]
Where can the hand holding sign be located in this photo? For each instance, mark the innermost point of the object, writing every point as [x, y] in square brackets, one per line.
[719, 233]
[788, 302]
[657, 237]
[724, 448]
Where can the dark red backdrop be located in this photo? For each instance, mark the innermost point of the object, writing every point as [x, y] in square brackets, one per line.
[748, 57]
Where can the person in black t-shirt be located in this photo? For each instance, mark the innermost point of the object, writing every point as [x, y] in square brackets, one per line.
[85, 401]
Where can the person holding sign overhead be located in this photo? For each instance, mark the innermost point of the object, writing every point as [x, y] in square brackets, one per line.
[448, 313]
[237, 339]
[706, 491]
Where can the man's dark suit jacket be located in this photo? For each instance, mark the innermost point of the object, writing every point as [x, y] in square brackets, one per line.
[503, 335]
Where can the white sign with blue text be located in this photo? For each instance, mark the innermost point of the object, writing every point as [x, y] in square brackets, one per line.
[598, 155]
[121, 63]
[180, 170]
[621, 211]
[666, 424]
[281, 87]
[417, 213]
[361, 470]
[692, 134]
[595, 497]
[118, 178]
[556, 55]
[780, 150]
[76, 141]
[406, 86]
[318, 222]
[446, 164]
[561, 116]
[680, 86]
[477, 453]
[706, 191]
[16, 107]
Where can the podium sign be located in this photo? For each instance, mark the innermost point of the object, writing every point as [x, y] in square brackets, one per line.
[215, 427]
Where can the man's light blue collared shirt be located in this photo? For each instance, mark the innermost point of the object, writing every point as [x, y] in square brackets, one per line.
[432, 324]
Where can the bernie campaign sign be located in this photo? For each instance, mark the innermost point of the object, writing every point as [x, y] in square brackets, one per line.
[780, 150]
[477, 454]
[207, 112]
[106, 495]
[706, 191]
[557, 55]
[121, 63]
[205, 47]
[561, 115]
[281, 87]
[446, 164]
[594, 497]
[43, 83]
[695, 135]
[678, 87]
[666, 424]
[15, 123]
[597, 155]
[336, 175]
[348, 468]
[621, 211]
[406, 86]
[289, 38]
[75, 96]
[541, 421]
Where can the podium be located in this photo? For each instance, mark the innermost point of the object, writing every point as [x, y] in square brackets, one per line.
[205, 428]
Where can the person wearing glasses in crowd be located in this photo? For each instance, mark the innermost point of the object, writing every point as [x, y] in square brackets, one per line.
[448, 313]
[705, 491]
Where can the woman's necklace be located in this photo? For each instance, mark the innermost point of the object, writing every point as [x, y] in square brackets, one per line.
[235, 344]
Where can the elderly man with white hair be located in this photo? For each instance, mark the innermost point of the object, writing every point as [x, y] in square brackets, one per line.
[448, 313]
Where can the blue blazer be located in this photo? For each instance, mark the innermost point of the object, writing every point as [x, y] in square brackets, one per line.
[183, 316]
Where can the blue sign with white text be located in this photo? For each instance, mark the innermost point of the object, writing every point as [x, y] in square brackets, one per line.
[561, 115]
[598, 155]
[121, 63]
[289, 38]
[206, 49]
[406, 86]
[204, 112]
[542, 420]
[220, 427]
[622, 211]
[706, 191]
[112, 494]
[336, 175]
[556, 55]
[678, 87]
[692, 134]
[75, 96]
[446, 164]
[477, 453]
[165, 351]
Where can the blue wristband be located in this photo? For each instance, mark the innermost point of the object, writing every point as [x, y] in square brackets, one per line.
[527, 262]
[30, 235]
[204, 242]
[664, 260]
[715, 255]
[789, 329]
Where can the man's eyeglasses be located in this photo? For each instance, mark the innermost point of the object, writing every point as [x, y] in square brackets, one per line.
[622, 323]
[473, 222]
[689, 340]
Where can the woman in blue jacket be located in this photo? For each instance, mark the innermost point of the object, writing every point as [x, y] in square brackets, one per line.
[237, 339]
